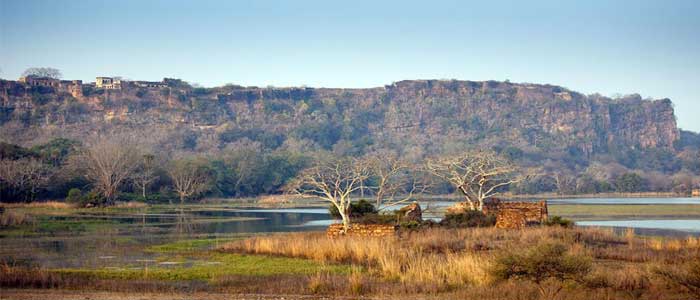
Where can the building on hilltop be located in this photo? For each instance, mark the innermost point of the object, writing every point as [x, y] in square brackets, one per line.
[109, 83]
[150, 84]
[40, 81]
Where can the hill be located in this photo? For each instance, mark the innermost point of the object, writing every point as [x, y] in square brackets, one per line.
[538, 125]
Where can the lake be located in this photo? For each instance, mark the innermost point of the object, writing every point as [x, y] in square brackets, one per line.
[105, 239]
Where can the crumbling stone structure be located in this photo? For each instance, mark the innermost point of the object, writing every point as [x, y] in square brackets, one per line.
[362, 230]
[411, 212]
[516, 215]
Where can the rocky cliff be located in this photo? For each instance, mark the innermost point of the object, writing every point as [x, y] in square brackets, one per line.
[416, 117]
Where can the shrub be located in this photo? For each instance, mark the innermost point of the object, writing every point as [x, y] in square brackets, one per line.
[468, 219]
[77, 198]
[357, 209]
[559, 221]
[542, 264]
[74, 196]
[375, 219]
[687, 277]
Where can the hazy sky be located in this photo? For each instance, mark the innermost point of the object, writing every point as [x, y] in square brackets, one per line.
[611, 47]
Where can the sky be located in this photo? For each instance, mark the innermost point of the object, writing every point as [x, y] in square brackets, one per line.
[609, 47]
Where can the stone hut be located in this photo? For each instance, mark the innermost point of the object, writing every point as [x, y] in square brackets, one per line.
[516, 214]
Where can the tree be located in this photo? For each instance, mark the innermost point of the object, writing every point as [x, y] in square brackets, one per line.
[392, 180]
[108, 162]
[145, 173]
[333, 180]
[629, 183]
[24, 176]
[478, 175]
[565, 182]
[43, 72]
[190, 177]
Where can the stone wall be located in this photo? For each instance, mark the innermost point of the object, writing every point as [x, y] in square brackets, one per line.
[363, 230]
[516, 214]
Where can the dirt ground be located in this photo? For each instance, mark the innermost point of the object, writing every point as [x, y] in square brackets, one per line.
[33, 294]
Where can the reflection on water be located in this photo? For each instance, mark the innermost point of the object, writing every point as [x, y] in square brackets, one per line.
[691, 226]
[625, 201]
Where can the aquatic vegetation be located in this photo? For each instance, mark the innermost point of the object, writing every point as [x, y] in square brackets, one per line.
[213, 267]
[188, 245]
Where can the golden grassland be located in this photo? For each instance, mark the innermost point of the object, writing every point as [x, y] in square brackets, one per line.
[453, 261]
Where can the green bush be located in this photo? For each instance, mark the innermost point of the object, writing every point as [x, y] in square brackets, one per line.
[374, 218]
[93, 199]
[357, 209]
[468, 219]
[75, 196]
[559, 221]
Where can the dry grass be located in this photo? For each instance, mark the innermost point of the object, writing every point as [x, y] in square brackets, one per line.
[130, 204]
[14, 218]
[47, 204]
[449, 260]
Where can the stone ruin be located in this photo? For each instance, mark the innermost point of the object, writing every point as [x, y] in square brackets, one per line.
[411, 212]
[408, 213]
[362, 230]
[509, 214]
[516, 215]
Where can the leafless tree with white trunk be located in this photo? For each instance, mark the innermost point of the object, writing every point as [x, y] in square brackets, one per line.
[478, 175]
[332, 180]
[189, 176]
[392, 180]
[145, 173]
[26, 175]
[108, 161]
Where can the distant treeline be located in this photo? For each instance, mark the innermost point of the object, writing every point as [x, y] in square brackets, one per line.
[113, 169]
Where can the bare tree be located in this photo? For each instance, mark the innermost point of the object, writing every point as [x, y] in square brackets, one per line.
[145, 173]
[478, 175]
[190, 178]
[108, 162]
[332, 180]
[566, 183]
[43, 72]
[26, 175]
[393, 180]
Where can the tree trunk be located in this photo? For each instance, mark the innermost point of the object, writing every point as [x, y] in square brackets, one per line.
[346, 223]
[143, 191]
[345, 216]
[466, 197]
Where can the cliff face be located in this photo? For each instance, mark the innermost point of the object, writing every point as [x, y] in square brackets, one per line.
[419, 117]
